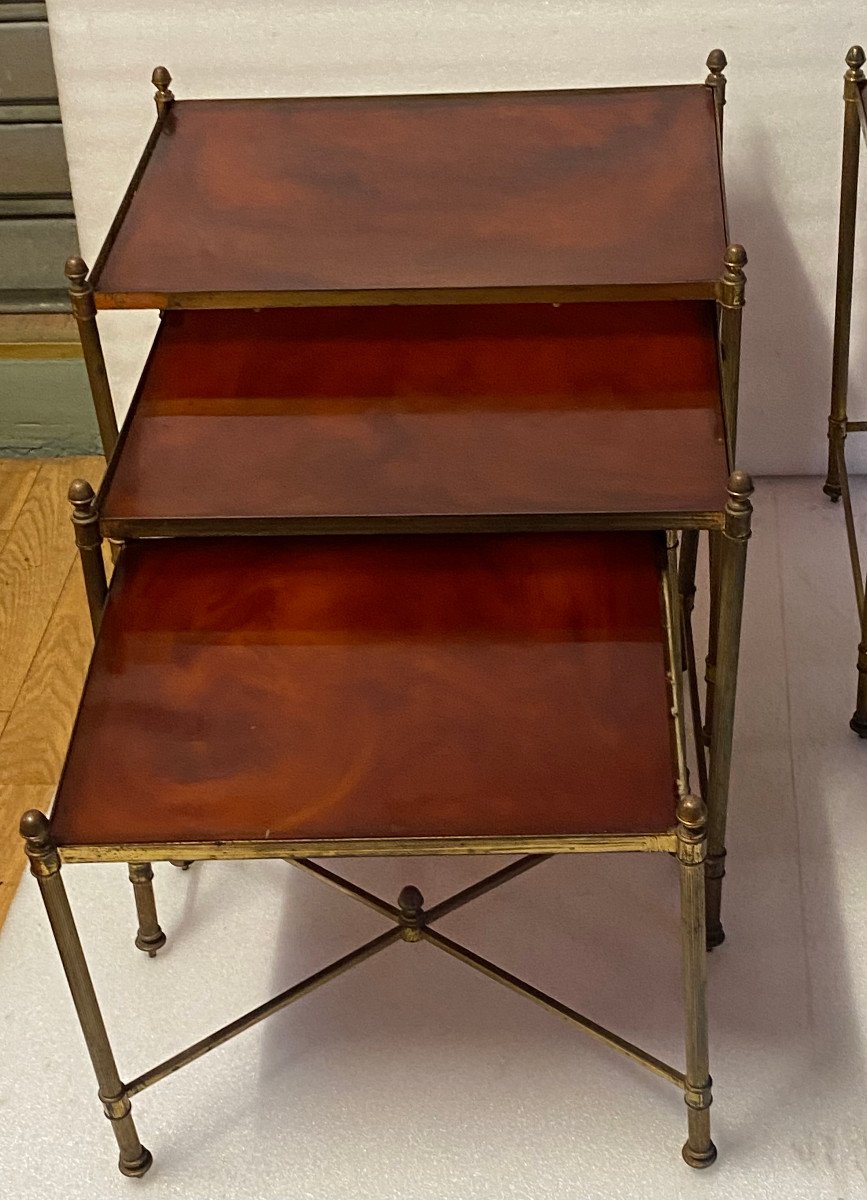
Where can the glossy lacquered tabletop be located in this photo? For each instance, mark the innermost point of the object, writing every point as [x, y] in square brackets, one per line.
[321, 688]
[566, 189]
[415, 411]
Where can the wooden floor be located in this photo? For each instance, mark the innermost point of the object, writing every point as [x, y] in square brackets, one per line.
[45, 641]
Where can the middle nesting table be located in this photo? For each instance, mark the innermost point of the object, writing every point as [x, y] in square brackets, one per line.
[422, 418]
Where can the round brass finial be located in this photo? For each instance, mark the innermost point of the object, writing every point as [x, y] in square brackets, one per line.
[34, 826]
[740, 484]
[856, 58]
[80, 492]
[735, 257]
[691, 811]
[75, 270]
[410, 901]
[717, 62]
[161, 79]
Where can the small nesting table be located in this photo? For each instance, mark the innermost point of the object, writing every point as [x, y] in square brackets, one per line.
[406, 512]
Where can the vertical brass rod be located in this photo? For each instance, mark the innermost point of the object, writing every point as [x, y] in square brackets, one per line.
[733, 562]
[674, 674]
[730, 302]
[849, 519]
[150, 936]
[84, 311]
[85, 522]
[686, 587]
[699, 1150]
[181, 1059]
[45, 865]
[714, 554]
[845, 268]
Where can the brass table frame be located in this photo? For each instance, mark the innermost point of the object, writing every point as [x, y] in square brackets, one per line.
[729, 292]
[686, 840]
[697, 839]
[839, 426]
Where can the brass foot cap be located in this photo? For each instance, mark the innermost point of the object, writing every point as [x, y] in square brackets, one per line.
[151, 943]
[138, 1166]
[701, 1158]
[858, 725]
[715, 935]
[833, 490]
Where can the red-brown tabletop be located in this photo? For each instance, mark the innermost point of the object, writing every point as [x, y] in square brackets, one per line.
[452, 416]
[516, 192]
[373, 688]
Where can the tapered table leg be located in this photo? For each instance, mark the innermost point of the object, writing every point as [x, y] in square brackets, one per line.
[149, 937]
[732, 571]
[699, 1150]
[45, 865]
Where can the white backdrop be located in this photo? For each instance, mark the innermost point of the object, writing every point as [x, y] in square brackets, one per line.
[783, 125]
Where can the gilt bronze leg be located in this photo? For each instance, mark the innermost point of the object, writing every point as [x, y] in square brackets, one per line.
[732, 570]
[84, 310]
[45, 865]
[845, 266]
[699, 1150]
[85, 522]
[686, 587]
[150, 937]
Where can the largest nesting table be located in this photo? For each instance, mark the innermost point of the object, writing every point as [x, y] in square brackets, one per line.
[439, 384]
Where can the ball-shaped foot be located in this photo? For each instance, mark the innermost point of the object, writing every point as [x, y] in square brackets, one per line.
[715, 936]
[858, 725]
[151, 943]
[136, 1167]
[833, 490]
[700, 1158]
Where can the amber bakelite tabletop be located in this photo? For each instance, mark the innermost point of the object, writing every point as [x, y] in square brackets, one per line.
[606, 190]
[454, 413]
[374, 688]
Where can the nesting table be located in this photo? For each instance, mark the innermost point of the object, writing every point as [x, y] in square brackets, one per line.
[406, 513]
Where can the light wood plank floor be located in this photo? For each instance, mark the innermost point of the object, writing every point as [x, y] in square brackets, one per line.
[45, 640]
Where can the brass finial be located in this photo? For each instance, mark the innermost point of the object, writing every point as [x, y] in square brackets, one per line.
[161, 80]
[855, 60]
[716, 64]
[691, 811]
[733, 281]
[83, 501]
[740, 485]
[80, 493]
[75, 271]
[34, 827]
[411, 905]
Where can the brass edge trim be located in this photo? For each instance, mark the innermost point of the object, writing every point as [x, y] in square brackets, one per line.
[160, 527]
[705, 289]
[368, 847]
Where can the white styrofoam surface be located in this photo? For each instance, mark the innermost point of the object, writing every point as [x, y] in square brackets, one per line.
[413, 1078]
[783, 124]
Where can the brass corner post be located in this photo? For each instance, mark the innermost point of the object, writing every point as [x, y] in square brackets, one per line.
[699, 1150]
[85, 521]
[45, 865]
[150, 936]
[731, 294]
[732, 573]
[686, 588]
[852, 81]
[716, 64]
[163, 97]
[84, 311]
